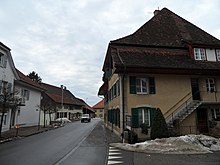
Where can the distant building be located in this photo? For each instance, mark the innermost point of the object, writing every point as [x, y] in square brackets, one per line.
[99, 109]
[168, 63]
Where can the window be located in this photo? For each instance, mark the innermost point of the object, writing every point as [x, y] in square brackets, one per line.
[199, 54]
[3, 60]
[210, 85]
[218, 54]
[215, 114]
[142, 115]
[5, 87]
[142, 85]
[25, 94]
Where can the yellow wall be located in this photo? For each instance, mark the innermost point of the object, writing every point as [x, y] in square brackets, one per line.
[169, 90]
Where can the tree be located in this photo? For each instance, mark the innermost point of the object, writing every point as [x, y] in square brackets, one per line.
[8, 100]
[34, 76]
[159, 127]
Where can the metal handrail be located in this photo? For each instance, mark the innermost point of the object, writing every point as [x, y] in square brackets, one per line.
[185, 103]
[177, 104]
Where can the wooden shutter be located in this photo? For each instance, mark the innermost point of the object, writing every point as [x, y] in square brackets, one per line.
[135, 119]
[132, 85]
[152, 89]
[152, 115]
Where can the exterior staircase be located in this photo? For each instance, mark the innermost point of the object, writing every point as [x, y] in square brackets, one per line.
[182, 112]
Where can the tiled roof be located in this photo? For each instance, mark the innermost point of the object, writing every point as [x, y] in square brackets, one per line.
[99, 105]
[159, 58]
[164, 43]
[168, 29]
[55, 93]
[28, 81]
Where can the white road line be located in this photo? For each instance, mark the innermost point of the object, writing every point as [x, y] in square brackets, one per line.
[114, 156]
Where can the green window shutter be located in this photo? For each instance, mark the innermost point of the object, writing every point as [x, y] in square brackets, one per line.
[135, 121]
[152, 115]
[152, 88]
[132, 85]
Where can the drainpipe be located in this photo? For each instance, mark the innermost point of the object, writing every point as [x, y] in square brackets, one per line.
[123, 87]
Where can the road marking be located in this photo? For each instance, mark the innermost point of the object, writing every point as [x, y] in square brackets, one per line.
[75, 148]
[113, 156]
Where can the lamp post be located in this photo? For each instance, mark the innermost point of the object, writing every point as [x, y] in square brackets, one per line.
[62, 87]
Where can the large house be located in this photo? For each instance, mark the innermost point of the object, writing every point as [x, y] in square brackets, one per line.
[7, 76]
[58, 102]
[29, 91]
[168, 63]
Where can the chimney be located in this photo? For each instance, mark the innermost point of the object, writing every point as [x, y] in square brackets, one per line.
[156, 12]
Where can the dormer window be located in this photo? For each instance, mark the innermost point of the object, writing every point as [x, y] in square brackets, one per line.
[199, 54]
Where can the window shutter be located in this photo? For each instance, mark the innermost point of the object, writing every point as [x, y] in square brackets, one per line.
[132, 85]
[152, 115]
[152, 88]
[135, 121]
[1, 87]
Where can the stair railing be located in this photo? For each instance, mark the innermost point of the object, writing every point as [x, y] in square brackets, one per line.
[182, 107]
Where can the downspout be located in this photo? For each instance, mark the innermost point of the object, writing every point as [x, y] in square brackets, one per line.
[123, 88]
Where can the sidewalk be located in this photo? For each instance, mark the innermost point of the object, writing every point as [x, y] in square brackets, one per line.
[21, 132]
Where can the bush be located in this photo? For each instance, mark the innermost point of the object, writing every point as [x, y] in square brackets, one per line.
[144, 128]
[159, 127]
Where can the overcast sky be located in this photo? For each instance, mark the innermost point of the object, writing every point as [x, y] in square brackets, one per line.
[65, 41]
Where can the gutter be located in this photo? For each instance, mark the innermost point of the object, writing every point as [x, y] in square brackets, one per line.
[123, 88]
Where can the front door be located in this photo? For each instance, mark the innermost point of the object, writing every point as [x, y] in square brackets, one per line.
[195, 88]
[202, 120]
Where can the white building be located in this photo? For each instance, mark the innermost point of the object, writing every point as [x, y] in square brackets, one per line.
[7, 76]
[30, 93]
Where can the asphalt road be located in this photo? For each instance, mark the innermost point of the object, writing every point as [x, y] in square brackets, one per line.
[87, 144]
[65, 145]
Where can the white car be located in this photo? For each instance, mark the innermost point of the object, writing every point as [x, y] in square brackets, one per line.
[63, 120]
[85, 118]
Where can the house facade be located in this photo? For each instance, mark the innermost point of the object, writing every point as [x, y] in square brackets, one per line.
[30, 93]
[170, 64]
[99, 109]
[7, 76]
[58, 102]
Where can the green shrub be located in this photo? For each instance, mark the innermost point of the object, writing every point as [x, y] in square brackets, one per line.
[159, 127]
[144, 128]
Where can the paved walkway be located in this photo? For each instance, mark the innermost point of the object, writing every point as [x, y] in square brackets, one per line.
[21, 132]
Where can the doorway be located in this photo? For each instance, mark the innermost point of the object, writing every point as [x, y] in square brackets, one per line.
[202, 120]
[195, 89]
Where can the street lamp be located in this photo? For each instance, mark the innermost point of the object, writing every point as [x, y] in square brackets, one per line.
[62, 87]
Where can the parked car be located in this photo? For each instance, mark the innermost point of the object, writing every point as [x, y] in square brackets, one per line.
[63, 120]
[85, 118]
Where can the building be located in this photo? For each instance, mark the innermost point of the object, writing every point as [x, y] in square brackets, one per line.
[58, 102]
[168, 63]
[7, 76]
[99, 109]
[30, 93]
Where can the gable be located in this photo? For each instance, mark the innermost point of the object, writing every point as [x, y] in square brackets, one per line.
[169, 30]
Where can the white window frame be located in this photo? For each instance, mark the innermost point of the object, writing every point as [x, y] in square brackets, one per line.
[141, 114]
[199, 54]
[215, 116]
[3, 60]
[210, 85]
[144, 88]
[217, 51]
[25, 94]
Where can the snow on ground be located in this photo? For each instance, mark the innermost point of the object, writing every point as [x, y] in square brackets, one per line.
[188, 144]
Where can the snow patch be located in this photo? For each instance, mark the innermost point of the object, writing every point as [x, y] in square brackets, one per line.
[188, 144]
